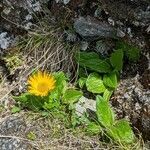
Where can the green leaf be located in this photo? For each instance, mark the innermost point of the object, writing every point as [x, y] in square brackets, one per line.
[82, 82]
[71, 106]
[133, 54]
[22, 98]
[71, 96]
[84, 118]
[75, 120]
[85, 55]
[92, 61]
[60, 85]
[107, 94]
[82, 72]
[93, 128]
[52, 104]
[15, 109]
[54, 97]
[110, 80]
[104, 112]
[131, 51]
[116, 59]
[45, 114]
[31, 136]
[30, 101]
[95, 84]
[121, 132]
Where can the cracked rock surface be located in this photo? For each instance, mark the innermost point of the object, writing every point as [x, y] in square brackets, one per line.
[11, 128]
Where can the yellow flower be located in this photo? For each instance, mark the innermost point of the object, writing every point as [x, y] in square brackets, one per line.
[41, 84]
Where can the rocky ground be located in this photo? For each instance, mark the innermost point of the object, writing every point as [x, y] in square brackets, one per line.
[95, 25]
[21, 132]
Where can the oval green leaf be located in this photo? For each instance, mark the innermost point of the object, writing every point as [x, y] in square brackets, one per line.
[95, 84]
[104, 112]
[71, 96]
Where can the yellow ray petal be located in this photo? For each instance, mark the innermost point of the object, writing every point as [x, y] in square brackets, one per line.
[41, 84]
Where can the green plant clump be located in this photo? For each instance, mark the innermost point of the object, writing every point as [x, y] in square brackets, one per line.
[58, 101]
[130, 51]
[101, 79]
[118, 130]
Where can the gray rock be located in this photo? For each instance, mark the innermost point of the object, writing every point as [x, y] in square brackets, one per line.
[84, 45]
[102, 47]
[11, 128]
[142, 17]
[13, 144]
[17, 17]
[17, 14]
[63, 1]
[111, 21]
[120, 33]
[12, 125]
[70, 37]
[66, 1]
[84, 104]
[148, 29]
[146, 125]
[92, 29]
[30, 5]
[136, 12]
[133, 101]
[98, 12]
[5, 40]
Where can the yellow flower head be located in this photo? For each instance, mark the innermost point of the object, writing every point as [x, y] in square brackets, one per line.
[41, 84]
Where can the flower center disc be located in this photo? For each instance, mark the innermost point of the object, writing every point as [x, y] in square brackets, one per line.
[42, 87]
